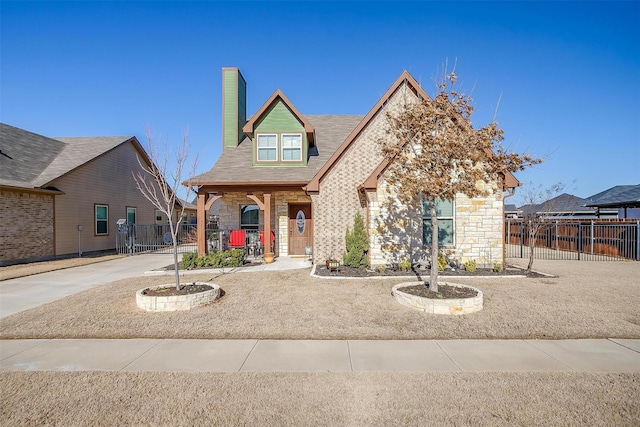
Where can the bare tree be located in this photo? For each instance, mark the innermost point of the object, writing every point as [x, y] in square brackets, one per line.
[160, 183]
[434, 153]
[540, 205]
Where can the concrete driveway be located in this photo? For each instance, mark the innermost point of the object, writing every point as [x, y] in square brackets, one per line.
[27, 292]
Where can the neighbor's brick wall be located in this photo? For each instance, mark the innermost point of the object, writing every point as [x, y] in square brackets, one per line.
[26, 229]
[338, 200]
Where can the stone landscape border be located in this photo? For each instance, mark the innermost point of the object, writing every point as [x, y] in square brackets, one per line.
[455, 306]
[176, 302]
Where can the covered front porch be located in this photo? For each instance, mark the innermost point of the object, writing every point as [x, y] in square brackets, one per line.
[241, 216]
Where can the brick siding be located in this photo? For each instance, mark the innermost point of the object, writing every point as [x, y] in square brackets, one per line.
[26, 229]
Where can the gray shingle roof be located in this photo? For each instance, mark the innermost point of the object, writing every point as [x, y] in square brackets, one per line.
[620, 195]
[564, 203]
[234, 164]
[37, 160]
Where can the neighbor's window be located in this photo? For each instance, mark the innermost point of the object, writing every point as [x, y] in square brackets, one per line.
[102, 219]
[292, 147]
[249, 217]
[159, 216]
[445, 215]
[131, 215]
[267, 147]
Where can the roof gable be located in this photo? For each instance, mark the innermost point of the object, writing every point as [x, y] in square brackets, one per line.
[405, 77]
[37, 160]
[273, 100]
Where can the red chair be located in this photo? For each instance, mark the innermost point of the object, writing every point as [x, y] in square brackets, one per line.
[236, 238]
[273, 239]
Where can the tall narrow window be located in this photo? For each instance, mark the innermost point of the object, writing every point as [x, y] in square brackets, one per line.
[267, 147]
[445, 215]
[131, 215]
[249, 217]
[292, 147]
[102, 220]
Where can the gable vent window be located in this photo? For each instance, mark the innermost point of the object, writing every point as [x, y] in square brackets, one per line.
[292, 147]
[267, 147]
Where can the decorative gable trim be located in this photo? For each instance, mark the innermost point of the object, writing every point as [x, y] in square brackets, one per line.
[249, 127]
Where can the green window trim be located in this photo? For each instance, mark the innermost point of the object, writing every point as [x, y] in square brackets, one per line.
[101, 216]
[445, 212]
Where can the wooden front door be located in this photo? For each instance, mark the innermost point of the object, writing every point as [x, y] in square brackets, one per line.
[300, 228]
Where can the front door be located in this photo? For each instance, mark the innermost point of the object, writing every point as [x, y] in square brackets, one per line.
[300, 228]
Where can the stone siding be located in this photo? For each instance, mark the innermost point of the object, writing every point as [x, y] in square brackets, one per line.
[228, 210]
[395, 230]
[26, 229]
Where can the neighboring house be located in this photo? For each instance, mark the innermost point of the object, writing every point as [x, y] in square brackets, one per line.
[304, 177]
[64, 195]
[624, 199]
[566, 206]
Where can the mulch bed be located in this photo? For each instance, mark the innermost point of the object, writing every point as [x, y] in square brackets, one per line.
[444, 292]
[172, 291]
[346, 271]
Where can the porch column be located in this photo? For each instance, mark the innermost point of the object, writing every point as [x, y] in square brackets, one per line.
[201, 224]
[201, 227]
[264, 206]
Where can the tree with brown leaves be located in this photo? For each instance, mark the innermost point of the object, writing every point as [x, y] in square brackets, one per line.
[434, 154]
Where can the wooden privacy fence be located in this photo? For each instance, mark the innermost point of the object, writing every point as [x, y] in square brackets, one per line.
[593, 240]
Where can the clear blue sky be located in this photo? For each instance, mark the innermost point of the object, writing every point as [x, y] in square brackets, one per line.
[568, 72]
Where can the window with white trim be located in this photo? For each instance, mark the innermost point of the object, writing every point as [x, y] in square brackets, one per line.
[445, 214]
[101, 220]
[267, 147]
[131, 215]
[292, 147]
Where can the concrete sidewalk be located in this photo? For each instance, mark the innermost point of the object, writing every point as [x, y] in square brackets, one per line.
[174, 355]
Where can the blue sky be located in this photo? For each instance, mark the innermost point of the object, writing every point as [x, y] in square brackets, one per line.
[567, 74]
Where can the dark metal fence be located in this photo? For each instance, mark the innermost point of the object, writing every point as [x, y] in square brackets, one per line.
[578, 240]
[138, 238]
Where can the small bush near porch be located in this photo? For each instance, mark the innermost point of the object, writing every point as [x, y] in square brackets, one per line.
[228, 258]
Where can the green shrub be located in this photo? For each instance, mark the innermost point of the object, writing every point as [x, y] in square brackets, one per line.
[497, 267]
[470, 266]
[228, 258]
[357, 244]
[442, 262]
[404, 264]
[381, 268]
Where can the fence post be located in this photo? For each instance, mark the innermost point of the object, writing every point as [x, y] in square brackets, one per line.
[592, 239]
[521, 238]
[579, 240]
[637, 240]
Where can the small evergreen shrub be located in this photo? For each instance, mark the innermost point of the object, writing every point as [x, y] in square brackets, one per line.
[442, 262]
[381, 268]
[228, 258]
[404, 264]
[470, 266]
[357, 244]
[497, 267]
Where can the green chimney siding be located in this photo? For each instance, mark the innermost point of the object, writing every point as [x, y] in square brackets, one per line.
[234, 107]
[279, 119]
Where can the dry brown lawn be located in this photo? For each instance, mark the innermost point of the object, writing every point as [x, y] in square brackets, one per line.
[586, 300]
[323, 399]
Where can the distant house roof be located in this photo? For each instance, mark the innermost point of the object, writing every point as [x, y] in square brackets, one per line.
[619, 196]
[32, 161]
[562, 204]
[234, 167]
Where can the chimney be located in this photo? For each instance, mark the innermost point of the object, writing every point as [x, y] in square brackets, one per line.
[234, 107]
